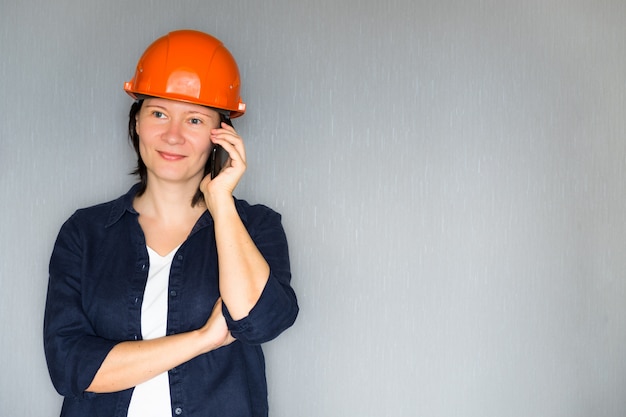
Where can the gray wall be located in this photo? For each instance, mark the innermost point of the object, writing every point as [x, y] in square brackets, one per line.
[451, 175]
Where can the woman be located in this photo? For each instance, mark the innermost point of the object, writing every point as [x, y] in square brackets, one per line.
[158, 301]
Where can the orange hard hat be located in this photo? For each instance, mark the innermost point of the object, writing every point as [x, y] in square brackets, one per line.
[190, 66]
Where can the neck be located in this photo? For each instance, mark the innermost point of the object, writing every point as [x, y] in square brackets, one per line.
[168, 203]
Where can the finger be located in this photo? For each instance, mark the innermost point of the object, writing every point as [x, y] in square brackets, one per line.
[226, 133]
[231, 142]
[225, 127]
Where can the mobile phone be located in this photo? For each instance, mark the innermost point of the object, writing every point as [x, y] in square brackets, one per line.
[218, 159]
[218, 154]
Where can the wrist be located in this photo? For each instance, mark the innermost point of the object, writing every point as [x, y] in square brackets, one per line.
[218, 205]
[207, 340]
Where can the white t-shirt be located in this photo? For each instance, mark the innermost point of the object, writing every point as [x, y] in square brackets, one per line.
[152, 398]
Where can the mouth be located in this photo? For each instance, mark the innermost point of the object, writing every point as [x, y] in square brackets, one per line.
[170, 156]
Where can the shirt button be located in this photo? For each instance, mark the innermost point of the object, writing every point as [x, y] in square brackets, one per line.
[180, 257]
[173, 293]
[178, 411]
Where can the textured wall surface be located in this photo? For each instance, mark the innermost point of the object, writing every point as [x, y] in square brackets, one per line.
[450, 174]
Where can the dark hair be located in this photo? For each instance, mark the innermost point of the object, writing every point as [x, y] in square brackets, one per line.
[141, 169]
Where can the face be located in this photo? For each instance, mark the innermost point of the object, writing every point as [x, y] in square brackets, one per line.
[174, 139]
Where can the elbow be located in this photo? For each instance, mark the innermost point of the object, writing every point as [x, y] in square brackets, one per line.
[262, 326]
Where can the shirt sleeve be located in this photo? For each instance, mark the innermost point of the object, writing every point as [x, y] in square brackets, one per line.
[277, 308]
[73, 351]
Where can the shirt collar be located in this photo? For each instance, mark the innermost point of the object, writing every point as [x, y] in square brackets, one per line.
[125, 204]
[122, 205]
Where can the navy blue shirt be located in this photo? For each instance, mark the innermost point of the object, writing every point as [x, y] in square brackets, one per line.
[98, 272]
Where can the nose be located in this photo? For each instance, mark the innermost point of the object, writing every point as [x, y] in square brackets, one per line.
[173, 135]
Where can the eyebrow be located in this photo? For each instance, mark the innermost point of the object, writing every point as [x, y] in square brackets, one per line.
[187, 112]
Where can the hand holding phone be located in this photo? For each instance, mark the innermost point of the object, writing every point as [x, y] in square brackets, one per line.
[225, 166]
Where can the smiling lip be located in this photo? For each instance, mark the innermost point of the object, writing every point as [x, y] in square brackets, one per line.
[170, 156]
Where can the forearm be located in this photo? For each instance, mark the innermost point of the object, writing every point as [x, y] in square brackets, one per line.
[131, 363]
[243, 271]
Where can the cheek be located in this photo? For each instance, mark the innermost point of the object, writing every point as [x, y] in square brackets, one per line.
[143, 147]
[144, 155]
[205, 155]
[147, 133]
[204, 147]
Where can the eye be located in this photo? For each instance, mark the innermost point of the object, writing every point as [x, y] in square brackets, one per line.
[195, 121]
[158, 114]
